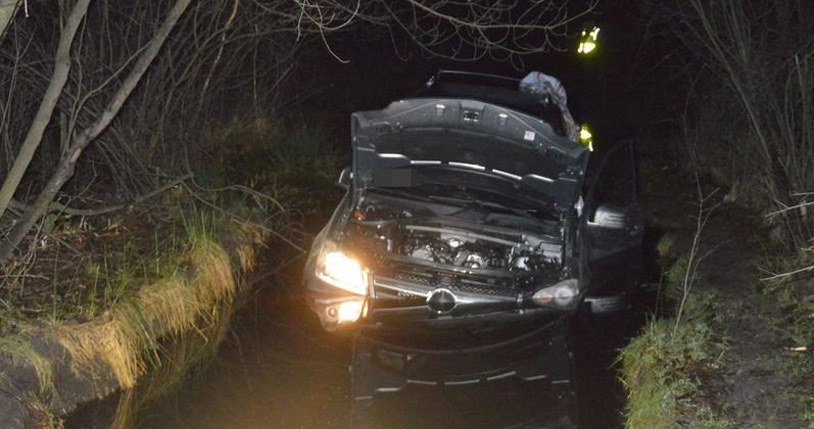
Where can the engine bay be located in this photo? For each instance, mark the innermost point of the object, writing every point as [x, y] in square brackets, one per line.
[468, 250]
[456, 247]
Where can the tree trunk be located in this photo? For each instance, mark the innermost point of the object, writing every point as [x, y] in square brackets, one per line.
[67, 163]
[62, 67]
[8, 9]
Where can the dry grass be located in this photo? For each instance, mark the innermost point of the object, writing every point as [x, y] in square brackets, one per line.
[126, 340]
[101, 341]
[184, 302]
[122, 418]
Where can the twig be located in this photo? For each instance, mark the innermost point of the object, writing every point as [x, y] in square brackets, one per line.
[783, 210]
[57, 207]
[220, 53]
[26, 276]
[788, 274]
[694, 259]
[16, 212]
[242, 188]
[240, 219]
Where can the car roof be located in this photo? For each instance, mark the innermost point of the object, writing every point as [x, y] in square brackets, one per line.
[501, 90]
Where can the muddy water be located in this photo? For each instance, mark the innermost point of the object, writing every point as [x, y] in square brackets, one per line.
[278, 369]
[275, 370]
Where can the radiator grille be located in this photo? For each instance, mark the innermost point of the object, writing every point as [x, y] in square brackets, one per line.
[457, 282]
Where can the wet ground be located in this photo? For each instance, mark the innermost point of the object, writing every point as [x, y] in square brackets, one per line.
[275, 370]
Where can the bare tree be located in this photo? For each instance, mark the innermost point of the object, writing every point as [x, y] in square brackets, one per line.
[49, 101]
[457, 30]
[750, 66]
[69, 159]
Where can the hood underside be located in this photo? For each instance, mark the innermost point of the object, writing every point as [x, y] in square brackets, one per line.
[410, 141]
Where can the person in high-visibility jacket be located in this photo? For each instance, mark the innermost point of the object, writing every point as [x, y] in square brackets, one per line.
[588, 41]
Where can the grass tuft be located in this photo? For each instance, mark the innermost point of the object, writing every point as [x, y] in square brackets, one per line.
[172, 305]
[663, 248]
[662, 369]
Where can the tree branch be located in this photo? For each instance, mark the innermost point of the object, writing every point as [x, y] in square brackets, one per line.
[49, 101]
[62, 208]
[8, 9]
[68, 161]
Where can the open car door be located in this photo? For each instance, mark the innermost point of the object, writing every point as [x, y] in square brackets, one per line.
[615, 225]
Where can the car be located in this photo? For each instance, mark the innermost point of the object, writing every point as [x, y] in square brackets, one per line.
[472, 234]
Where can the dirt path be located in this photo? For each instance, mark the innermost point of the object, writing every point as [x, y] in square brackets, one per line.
[759, 383]
[756, 386]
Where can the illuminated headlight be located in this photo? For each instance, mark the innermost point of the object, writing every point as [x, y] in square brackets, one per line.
[349, 311]
[564, 295]
[341, 270]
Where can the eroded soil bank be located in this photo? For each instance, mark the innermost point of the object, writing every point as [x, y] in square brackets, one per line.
[48, 368]
[748, 368]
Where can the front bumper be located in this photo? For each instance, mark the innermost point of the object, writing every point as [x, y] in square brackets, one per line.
[399, 301]
[329, 308]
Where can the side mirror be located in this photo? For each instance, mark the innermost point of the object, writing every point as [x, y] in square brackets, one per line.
[345, 177]
[609, 216]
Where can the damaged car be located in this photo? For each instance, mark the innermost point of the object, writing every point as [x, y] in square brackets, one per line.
[473, 232]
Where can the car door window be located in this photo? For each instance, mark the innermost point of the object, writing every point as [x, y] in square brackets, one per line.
[615, 180]
[612, 252]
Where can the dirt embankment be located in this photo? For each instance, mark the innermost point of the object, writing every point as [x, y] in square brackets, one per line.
[761, 381]
[47, 371]
[736, 358]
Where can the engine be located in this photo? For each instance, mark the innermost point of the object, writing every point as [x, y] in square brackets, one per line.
[475, 251]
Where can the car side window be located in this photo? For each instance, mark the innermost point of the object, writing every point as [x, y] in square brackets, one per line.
[615, 182]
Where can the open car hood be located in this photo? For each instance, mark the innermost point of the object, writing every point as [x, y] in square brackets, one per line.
[394, 146]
